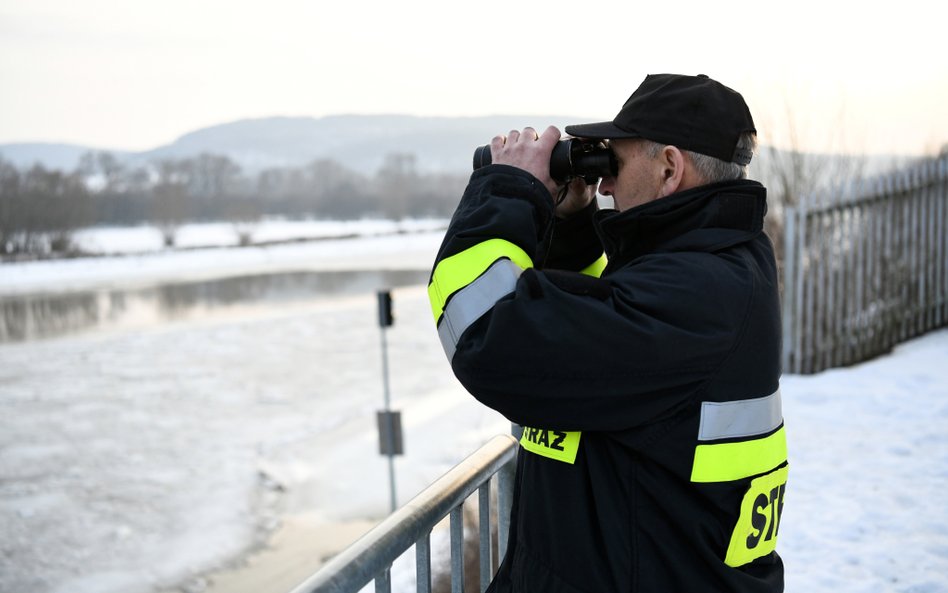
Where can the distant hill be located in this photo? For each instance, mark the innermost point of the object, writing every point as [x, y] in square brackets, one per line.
[360, 142]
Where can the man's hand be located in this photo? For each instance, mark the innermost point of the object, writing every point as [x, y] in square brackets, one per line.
[529, 151]
[579, 195]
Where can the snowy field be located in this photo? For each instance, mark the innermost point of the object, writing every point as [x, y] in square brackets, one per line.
[137, 256]
[160, 458]
[141, 239]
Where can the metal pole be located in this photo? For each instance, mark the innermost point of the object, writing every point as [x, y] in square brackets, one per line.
[506, 476]
[391, 428]
[456, 523]
[383, 582]
[483, 521]
[423, 564]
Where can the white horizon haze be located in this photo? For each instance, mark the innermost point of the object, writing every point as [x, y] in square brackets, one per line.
[136, 75]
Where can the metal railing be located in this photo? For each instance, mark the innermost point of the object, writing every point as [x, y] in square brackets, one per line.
[371, 557]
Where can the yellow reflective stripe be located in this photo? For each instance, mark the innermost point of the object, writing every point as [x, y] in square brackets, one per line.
[554, 444]
[755, 534]
[455, 272]
[724, 462]
[596, 268]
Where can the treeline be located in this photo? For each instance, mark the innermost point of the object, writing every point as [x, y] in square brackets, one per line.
[40, 208]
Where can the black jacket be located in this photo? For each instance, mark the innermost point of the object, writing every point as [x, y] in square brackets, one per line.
[653, 457]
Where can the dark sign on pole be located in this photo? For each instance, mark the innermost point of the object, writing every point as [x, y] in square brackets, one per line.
[386, 319]
[390, 433]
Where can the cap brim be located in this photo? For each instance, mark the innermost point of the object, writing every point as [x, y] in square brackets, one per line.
[600, 131]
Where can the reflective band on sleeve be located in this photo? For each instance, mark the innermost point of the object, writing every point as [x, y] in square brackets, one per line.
[739, 419]
[475, 299]
[595, 268]
[455, 272]
[725, 462]
[553, 444]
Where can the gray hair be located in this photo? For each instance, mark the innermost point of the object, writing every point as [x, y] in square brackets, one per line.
[709, 168]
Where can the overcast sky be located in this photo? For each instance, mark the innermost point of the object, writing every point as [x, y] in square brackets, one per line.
[135, 74]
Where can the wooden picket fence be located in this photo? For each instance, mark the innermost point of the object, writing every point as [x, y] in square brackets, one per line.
[865, 268]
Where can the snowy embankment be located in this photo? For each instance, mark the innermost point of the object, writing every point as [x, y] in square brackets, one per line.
[140, 461]
[142, 239]
[137, 256]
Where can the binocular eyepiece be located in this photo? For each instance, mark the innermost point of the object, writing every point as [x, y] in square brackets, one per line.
[571, 158]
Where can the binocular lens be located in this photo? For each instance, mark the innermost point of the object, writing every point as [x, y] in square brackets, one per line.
[571, 158]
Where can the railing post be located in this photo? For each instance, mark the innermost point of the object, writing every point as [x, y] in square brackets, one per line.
[383, 581]
[423, 564]
[457, 549]
[505, 487]
[483, 524]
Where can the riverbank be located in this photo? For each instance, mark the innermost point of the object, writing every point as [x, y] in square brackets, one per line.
[408, 251]
[297, 549]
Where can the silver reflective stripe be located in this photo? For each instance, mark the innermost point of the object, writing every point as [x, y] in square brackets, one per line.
[468, 304]
[737, 419]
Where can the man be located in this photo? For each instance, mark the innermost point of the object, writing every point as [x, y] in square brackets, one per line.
[653, 454]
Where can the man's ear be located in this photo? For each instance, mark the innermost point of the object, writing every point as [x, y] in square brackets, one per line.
[673, 169]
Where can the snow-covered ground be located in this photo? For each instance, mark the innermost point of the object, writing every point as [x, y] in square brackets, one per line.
[145, 238]
[137, 460]
[137, 256]
[866, 506]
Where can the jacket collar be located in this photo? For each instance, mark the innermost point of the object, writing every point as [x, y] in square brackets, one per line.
[706, 218]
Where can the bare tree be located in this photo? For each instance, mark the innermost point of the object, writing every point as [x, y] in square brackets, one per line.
[40, 209]
[170, 200]
[9, 202]
[107, 190]
[396, 182]
[793, 174]
[106, 166]
[211, 176]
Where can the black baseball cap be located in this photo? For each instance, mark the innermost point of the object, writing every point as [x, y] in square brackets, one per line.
[694, 113]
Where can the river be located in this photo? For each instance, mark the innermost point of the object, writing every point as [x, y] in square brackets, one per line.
[51, 314]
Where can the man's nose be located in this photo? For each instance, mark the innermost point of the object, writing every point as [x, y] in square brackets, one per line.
[606, 185]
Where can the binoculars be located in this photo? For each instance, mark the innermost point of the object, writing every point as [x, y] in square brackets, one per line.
[571, 158]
